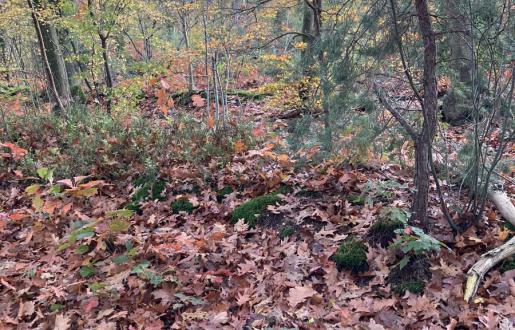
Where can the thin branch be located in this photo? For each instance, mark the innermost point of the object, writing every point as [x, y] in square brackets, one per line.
[404, 123]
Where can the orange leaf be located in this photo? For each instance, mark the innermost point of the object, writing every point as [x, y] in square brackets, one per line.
[161, 97]
[20, 215]
[258, 131]
[239, 146]
[17, 152]
[283, 159]
[211, 122]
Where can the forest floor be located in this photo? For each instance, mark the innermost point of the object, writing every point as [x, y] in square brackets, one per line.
[79, 260]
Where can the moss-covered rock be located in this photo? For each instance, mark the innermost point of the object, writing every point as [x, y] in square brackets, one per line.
[251, 210]
[412, 277]
[351, 255]
[382, 231]
[182, 205]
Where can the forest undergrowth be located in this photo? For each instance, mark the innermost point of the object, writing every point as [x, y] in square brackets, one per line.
[172, 225]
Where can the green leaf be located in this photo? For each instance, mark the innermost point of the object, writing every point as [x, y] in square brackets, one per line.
[124, 213]
[96, 286]
[32, 189]
[45, 174]
[119, 226]
[404, 262]
[81, 233]
[63, 246]
[87, 271]
[55, 189]
[56, 307]
[155, 279]
[121, 259]
[82, 249]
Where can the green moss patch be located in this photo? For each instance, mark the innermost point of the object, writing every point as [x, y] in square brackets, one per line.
[251, 211]
[351, 255]
[382, 231]
[287, 231]
[182, 205]
[222, 193]
[413, 277]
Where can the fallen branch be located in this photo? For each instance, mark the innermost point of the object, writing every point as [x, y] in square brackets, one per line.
[491, 258]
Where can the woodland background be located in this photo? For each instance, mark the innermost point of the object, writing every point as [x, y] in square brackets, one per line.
[249, 164]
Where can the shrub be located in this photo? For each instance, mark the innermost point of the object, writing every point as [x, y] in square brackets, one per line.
[351, 255]
[82, 141]
[251, 210]
[389, 220]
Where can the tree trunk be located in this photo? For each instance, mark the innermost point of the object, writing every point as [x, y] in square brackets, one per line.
[47, 39]
[429, 109]
[105, 57]
[51, 53]
[307, 38]
[184, 28]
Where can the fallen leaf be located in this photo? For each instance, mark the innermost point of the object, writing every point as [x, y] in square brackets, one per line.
[299, 294]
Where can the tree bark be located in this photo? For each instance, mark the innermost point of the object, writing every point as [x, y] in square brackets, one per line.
[184, 28]
[52, 57]
[105, 57]
[429, 110]
[51, 48]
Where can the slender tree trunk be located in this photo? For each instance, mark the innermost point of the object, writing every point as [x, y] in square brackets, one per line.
[429, 110]
[3, 51]
[107, 70]
[184, 29]
[55, 70]
[105, 57]
[307, 29]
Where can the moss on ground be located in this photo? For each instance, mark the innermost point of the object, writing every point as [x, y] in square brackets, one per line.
[286, 231]
[351, 255]
[182, 205]
[222, 193]
[413, 277]
[252, 209]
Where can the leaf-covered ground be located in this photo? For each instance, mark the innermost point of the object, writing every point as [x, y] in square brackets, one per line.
[71, 260]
